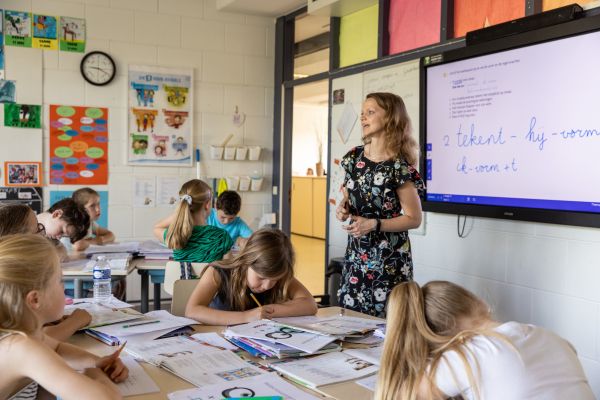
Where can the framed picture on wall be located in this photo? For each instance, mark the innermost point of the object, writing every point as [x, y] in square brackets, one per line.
[22, 173]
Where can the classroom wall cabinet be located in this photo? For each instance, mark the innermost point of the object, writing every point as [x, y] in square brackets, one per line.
[309, 197]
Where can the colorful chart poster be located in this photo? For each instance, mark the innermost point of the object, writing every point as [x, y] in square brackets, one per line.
[160, 116]
[78, 145]
[22, 173]
[22, 115]
[17, 28]
[56, 195]
[44, 32]
[7, 91]
[72, 34]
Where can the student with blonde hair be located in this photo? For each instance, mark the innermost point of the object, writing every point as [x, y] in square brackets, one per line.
[31, 294]
[441, 341]
[257, 283]
[186, 231]
[20, 219]
[89, 199]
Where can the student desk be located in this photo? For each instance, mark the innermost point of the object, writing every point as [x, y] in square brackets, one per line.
[78, 276]
[144, 267]
[168, 382]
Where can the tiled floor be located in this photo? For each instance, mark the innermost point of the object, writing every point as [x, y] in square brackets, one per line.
[310, 262]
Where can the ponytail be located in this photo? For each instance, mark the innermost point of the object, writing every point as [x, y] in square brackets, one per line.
[193, 197]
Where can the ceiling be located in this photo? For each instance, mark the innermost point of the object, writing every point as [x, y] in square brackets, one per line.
[265, 8]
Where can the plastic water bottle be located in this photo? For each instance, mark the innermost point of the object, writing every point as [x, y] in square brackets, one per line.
[101, 272]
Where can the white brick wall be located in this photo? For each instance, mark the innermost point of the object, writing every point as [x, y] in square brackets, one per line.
[232, 57]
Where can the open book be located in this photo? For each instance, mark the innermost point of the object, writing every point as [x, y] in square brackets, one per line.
[338, 325]
[272, 332]
[101, 314]
[263, 386]
[325, 369]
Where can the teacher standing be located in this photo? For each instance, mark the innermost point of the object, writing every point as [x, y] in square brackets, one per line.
[381, 201]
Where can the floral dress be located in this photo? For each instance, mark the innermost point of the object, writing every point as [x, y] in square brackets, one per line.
[376, 262]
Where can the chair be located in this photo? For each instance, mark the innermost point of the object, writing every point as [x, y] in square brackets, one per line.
[173, 273]
[182, 290]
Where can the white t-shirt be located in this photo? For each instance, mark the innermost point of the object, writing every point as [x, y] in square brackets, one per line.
[544, 366]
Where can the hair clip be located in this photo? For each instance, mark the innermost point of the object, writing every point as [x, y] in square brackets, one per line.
[187, 198]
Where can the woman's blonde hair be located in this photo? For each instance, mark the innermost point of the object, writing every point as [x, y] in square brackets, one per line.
[397, 127]
[27, 262]
[193, 196]
[269, 252]
[422, 324]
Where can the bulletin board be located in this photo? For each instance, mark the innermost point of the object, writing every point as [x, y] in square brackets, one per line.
[348, 93]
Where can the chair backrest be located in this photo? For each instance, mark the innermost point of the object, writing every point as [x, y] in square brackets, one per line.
[182, 290]
[173, 273]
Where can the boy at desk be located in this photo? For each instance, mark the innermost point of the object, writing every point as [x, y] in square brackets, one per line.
[225, 216]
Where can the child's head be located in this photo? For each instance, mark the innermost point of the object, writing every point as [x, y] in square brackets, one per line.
[89, 199]
[17, 218]
[229, 204]
[265, 263]
[68, 219]
[396, 125]
[423, 323]
[194, 199]
[31, 290]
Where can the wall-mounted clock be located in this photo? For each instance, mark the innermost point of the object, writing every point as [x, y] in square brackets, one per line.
[98, 68]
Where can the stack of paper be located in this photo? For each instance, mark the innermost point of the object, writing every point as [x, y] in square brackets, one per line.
[154, 250]
[259, 334]
[123, 247]
[115, 260]
[325, 369]
[372, 354]
[103, 314]
[263, 386]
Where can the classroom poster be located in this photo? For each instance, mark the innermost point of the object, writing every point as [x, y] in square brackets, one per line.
[1, 46]
[22, 173]
[56, 195]
[17, 28]
[44, 32]
[72, 34]
[7, 91]
[29, 196]
[160, 116]
[22, 115]
[78, 145]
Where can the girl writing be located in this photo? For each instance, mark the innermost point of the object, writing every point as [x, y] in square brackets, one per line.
[442, 342]
[31, 294]
[258, 283]
[89, 199]
[186, 232]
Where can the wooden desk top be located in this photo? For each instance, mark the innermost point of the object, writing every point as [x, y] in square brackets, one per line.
[169, 383]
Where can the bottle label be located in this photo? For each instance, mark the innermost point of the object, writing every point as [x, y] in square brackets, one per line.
[101, 273]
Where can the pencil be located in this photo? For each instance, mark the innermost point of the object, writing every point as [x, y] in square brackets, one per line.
[116, 355]
[140, 323]
[255, 300]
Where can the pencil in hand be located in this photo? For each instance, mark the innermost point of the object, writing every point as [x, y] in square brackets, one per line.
[255, 299]
[116, 356]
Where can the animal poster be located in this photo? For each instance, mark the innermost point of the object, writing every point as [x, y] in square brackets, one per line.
[160, 116]
[22, 115]
[17, 28]
[72, 34]
[22, 173]
[78, 145]
[44, 32]
[7, 91]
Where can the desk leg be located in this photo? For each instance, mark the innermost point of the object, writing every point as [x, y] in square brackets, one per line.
[157, 296]
[145, 282]
[77, 288]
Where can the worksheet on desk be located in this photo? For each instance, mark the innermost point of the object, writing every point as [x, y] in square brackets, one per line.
[138, 382]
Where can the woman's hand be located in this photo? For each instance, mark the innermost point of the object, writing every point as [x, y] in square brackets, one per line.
[360, 226]
[259, 313]
[113, 367]
[342, 211]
